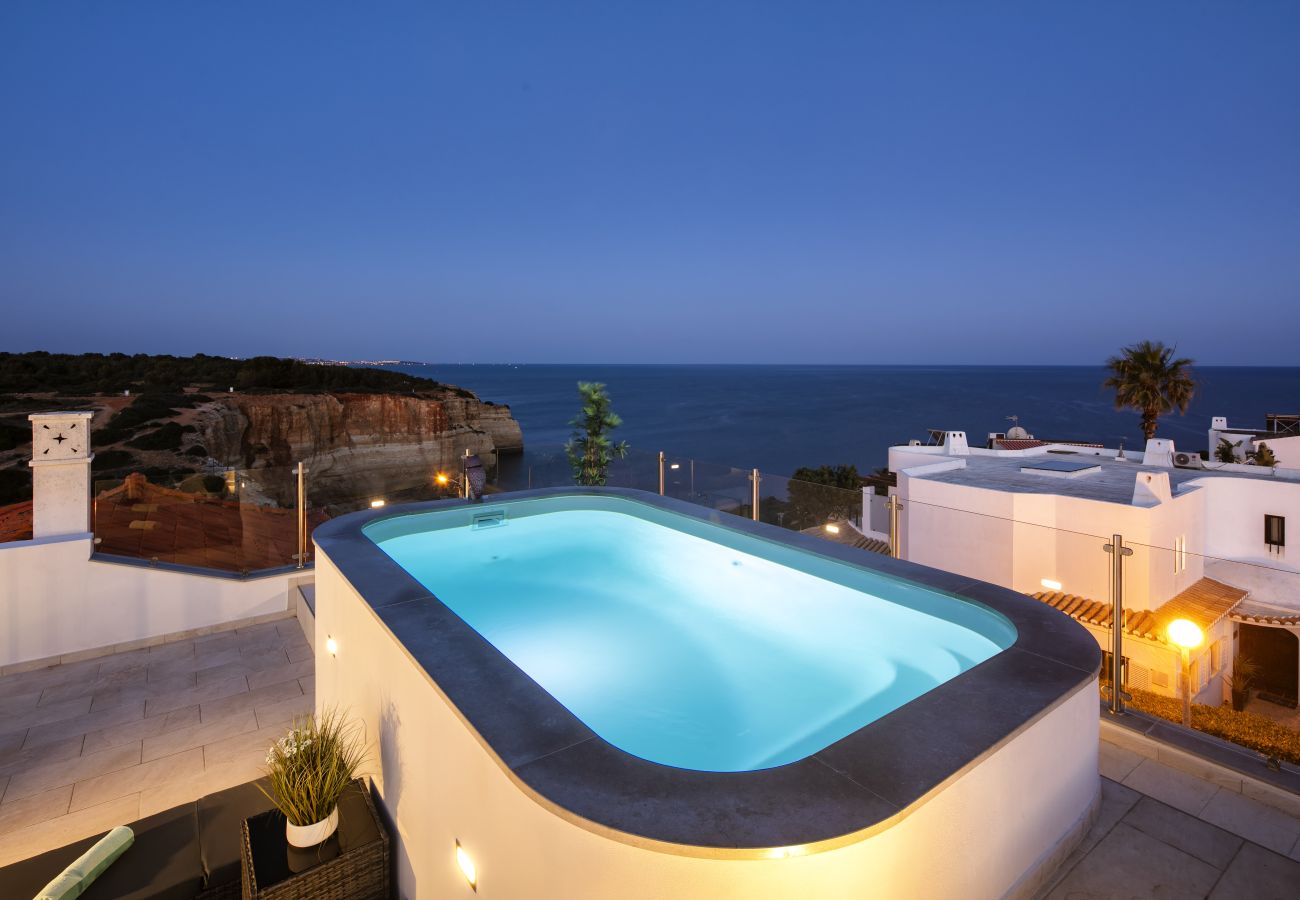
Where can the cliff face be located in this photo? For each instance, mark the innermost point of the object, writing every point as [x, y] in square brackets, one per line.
[355, 443]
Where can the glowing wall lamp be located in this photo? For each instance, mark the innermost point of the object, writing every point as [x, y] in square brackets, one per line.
[377, 503]
[1050, 584]
[466, 865]
[832, 528]
[331, 646]
[1186, 636]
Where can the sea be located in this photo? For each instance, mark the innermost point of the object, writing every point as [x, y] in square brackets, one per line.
[780, 417]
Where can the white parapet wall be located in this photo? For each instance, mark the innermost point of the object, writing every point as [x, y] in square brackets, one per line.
[55, 601]
[989, 831]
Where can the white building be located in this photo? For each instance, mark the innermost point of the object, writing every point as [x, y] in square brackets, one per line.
[1208, 544]
[1280, 433]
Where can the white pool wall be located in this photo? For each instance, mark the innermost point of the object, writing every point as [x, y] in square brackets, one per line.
[984, 833]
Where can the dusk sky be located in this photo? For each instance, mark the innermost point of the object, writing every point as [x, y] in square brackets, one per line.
[652, 182]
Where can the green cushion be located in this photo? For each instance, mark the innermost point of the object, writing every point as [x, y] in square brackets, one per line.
[90, 865]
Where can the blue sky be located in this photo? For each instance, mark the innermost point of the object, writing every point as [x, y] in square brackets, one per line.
[652, 182]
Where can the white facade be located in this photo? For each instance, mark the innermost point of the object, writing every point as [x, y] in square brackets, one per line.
[977, 513]
[1285, 447]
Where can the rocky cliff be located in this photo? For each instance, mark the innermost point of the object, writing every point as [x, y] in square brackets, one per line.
[355, 444]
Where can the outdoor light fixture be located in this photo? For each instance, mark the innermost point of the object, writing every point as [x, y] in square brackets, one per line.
[332, 646]
[675, 466]
[466, 866]
[1186, 636]
[375, 504]
[832, 528]
[441, 478]
[786, 852]
[1050, 584]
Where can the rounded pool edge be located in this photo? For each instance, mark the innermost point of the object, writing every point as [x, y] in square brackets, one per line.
[844, 793]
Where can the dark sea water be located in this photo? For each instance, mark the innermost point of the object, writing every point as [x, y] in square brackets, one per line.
[778, 418]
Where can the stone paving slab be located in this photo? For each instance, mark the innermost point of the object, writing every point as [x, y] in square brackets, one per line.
[1163, 832]
[101, 742]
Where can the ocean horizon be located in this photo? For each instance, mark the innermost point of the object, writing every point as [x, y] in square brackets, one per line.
[780, 417]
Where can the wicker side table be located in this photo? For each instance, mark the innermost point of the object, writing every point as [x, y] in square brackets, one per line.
[352, 864]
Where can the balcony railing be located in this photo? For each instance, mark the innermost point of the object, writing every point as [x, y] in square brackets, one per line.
[254, 521]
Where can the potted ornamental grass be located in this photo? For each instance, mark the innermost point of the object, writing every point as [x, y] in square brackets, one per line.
[308, 770]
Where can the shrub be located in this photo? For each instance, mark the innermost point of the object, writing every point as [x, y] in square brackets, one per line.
[1246, 729]
[165, 437]
[13, 436]
[310, 767]
[15, 485]
[111, 459]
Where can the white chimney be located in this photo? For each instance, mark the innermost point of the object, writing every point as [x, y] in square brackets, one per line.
[1159, 452]
[60, 473]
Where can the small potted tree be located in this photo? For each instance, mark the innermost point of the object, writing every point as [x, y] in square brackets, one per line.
[1244, 671]
[308, 769]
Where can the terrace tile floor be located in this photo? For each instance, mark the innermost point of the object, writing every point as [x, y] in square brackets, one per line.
[1163, 832]
[92, 744]
[88, 745]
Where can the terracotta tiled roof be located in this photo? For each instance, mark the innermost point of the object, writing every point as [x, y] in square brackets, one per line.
[146, 521]
[851, 537]
[16, 522]
[1263, 614]
[1017, 444]
[1205, 602]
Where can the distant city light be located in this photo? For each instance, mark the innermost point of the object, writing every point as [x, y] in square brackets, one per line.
[675, 466]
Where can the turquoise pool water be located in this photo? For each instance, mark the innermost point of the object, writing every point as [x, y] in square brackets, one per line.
[684, 642]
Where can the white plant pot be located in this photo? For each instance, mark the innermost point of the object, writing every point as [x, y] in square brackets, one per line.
[311, 835]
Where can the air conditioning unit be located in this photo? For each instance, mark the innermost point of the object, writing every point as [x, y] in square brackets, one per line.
[1188, 461]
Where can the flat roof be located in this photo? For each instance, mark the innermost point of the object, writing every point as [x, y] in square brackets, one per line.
[1112, 482]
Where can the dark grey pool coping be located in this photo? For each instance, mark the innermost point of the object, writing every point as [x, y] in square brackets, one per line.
[855, 783]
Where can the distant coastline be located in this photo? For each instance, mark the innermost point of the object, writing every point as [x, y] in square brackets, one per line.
[781, 417]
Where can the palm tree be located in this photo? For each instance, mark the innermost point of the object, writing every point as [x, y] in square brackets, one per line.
[1147, 378]
[590, 449]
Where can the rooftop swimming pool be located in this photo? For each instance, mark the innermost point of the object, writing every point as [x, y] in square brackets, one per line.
[683, 650]
[596, 692]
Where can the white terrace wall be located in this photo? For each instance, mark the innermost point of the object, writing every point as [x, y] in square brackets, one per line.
[56, 601]
[1021, 540]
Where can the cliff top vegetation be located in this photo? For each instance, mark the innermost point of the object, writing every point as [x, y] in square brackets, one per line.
[113, 373]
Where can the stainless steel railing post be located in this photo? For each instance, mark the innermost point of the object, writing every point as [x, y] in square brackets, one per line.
[302, 515]
[756, 478]
[661, 473]
[895, 538]
[1117, 552]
